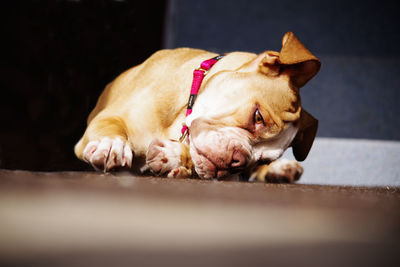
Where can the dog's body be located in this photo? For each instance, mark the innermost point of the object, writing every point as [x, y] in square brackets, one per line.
[246, 114]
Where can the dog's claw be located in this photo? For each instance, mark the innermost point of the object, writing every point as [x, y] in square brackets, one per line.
[108, 154]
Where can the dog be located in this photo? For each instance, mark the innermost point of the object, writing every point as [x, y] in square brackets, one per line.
[247, 113]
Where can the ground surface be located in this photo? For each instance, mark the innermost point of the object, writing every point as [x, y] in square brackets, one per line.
[92, 219]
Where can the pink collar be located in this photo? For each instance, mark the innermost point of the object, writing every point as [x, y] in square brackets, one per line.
[198, 76]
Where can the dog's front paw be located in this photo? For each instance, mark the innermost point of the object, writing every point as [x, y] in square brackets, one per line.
[108, 154]
[170, 158]
[279, 171]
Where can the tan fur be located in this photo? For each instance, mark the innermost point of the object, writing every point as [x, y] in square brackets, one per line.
[153, 95]
[148, 101]
[143, 96]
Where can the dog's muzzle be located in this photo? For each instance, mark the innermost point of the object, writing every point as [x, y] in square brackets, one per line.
[220, 152]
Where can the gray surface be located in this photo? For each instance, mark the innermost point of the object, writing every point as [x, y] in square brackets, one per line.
[354, 162]
[355, 94]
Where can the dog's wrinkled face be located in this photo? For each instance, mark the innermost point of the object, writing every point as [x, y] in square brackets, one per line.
[242, 118]
[253, 114]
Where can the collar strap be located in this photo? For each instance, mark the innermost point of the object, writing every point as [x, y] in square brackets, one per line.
[198, 76]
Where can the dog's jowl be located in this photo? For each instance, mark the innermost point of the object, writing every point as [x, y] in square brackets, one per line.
[245, 111]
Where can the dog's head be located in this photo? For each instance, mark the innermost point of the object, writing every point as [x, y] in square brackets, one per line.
[253, 114]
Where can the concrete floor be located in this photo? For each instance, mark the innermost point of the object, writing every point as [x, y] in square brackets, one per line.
[93, 219]
[352, 162]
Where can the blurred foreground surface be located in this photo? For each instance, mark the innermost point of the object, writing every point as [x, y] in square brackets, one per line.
[93, 219]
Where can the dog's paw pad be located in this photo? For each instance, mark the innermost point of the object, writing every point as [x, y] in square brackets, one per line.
[180, 172]
[284, 170]
[164, 158]
[108, 154]
[279, 171]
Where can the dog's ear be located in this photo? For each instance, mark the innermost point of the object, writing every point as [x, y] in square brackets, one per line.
[305, 136]
[294, 60]
[297, 61]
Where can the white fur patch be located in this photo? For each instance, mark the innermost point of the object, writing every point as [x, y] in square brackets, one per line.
[271, 150]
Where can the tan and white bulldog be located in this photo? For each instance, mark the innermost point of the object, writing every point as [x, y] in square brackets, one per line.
[247, 113]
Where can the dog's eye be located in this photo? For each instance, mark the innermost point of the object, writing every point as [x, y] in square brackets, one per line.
[258, 119]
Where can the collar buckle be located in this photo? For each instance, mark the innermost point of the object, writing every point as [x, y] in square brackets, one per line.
[203, 70]
[184, 135]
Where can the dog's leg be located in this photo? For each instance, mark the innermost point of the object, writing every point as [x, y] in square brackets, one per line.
[279, 171]
[105, 145]
[170, 158]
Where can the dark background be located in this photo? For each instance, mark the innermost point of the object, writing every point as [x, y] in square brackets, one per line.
[58, 56]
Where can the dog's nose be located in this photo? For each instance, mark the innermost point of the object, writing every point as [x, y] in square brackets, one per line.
[238, 159]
